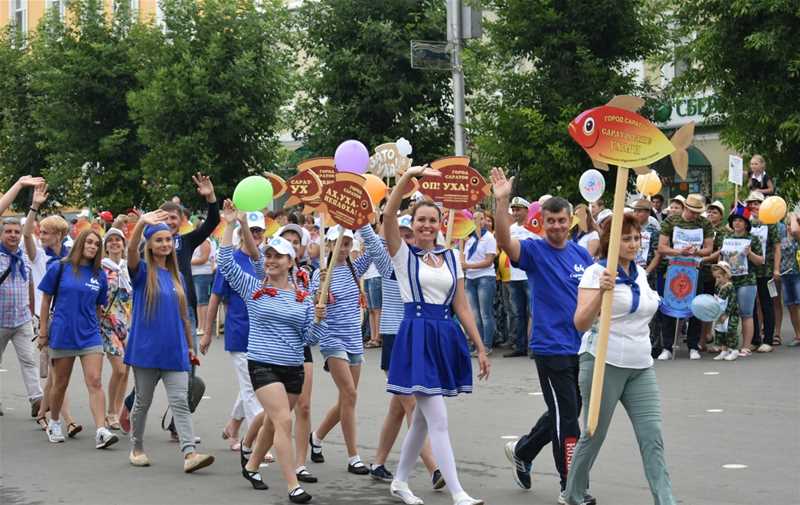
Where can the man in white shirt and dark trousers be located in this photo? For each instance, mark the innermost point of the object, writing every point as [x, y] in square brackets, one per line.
[519, 294]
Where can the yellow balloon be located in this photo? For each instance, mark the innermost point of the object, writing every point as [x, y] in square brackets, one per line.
[648, 184]
[772, 210]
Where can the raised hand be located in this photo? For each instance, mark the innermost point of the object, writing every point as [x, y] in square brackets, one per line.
[29, 180]
[204, 186]
[422, 171]
[229, 214]
[155, 217]
[40, 194]
[501, 185]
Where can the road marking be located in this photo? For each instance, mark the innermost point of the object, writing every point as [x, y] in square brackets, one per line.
[714, 411]
[536, 393]
[3, 370]
[734, 466]
[510, 437]
[206, 397]
[710, 373]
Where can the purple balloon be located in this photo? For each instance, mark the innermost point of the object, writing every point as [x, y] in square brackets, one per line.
[351, 156]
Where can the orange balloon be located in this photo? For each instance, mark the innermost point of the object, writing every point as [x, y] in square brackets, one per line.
[375, 187]
[772, 210]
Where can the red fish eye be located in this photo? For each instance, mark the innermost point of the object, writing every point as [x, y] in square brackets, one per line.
[363, 205]
[588, 126]
[474, 180]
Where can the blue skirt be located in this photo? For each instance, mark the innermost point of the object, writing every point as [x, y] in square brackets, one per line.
[430, 355]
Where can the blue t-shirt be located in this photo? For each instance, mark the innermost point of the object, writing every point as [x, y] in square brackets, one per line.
[75, 324]
[556, 273]
[237, 324]
[157, 339]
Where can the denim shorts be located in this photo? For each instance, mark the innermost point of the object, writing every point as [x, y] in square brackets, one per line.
[264, 374]
[746, 298]
[791, 289]
[374, 289]
[202, 285]
[354, 359]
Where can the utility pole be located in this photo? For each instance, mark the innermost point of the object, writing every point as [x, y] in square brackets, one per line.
[454, 39]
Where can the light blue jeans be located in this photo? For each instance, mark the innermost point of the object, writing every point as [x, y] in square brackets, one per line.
[481, 293]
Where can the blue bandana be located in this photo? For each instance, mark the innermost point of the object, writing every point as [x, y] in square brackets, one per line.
[474, 247]
[17, 263]
[152, 229]
[630, 280]
[52, 256]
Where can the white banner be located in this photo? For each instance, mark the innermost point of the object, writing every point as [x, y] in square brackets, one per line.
[735, 169]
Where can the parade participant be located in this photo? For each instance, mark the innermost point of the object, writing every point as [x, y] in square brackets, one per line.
[477, 262]
[629, 375]
[237, 327]
[766, 272]
[726, 327]
[342, 347]
[519, 293]
[115, 319]
[16, 309]
[590, 239]
[429, 357]
[714, 214]
[658, 203]
[160, 338]
[647, 257]
[685, 234]
[676, 205]
[26, 181]
[790, 273]
[78, 288]
[759, 180]
[373, 284]
[202, 264]
[281, 324]
[557, 263]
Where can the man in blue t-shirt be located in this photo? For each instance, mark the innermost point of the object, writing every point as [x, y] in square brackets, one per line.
[555, 265]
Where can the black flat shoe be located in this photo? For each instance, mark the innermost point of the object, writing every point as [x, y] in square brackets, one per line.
[254, 478]
[305, 476]
[316, 450]
[358, 468]
[244, 457]
[298, 495]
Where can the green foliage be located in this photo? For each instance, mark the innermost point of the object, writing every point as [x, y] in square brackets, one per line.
[746, 51]
[542, 63]
[213, 84]
[359, 84]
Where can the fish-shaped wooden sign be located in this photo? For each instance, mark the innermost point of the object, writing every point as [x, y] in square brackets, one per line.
[459, 186]
[304, 187]
[347, 201]
[278, 184]
[387, 161]
[614, 134]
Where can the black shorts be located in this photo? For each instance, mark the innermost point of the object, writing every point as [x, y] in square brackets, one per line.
[307, 356]
[264, 374]
[387, 342]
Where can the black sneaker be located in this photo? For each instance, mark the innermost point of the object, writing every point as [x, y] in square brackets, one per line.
[316, 450]
[587, 499]
[298, 495]
[521, 470]
[380, 472]
[357, 468]
[437, 480]
[254, 478]
[305, 476]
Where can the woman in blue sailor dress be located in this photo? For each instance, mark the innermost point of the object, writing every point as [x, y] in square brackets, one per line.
[430, 359]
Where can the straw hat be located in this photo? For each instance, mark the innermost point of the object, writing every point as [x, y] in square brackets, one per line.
[695, 203]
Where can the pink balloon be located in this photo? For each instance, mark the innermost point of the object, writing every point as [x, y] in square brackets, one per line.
[351, 156]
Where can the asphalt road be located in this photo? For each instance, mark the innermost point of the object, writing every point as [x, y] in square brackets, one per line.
[743, 413]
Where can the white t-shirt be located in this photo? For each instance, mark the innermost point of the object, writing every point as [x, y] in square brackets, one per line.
[584, 240]
[206, 268]
[371, 273]
[629, 336]
[486, 245]
[521, 233]
[38, 269]
[436, 282]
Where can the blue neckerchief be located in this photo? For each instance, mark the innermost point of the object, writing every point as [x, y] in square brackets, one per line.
[630, 280]
[17, 263]
[52, 256]
[474, 247]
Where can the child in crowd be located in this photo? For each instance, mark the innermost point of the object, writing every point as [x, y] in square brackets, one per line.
[726, 329]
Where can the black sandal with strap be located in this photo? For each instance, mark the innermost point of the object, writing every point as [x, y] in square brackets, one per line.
[73, 429]
[42, 422]
[254, 478]
[298, 495]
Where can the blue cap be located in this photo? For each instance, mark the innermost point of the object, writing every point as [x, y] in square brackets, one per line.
[152, 229]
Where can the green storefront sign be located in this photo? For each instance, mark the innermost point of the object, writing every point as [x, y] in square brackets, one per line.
[699, 108]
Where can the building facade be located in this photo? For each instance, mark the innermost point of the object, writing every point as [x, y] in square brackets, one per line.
[26, 14]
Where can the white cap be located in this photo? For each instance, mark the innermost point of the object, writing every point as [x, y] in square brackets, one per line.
[334, 231]
[404, 222]
[256, 220]
[295, 228]
[281, 246]
[603, 214]
[114, 231]
[544, 198]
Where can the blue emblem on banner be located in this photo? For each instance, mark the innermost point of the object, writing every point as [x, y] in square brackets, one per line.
[680, 287]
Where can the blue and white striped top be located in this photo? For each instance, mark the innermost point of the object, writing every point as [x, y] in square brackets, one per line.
[279, 325]
[392, 309]
[344, 314]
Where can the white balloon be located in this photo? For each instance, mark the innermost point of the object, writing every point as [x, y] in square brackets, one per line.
[591, 185]
[403, 146]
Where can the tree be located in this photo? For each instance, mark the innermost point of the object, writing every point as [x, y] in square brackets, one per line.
[358, 81]
[541, 64]
[80, 73]
[747, 54]
[213, 81]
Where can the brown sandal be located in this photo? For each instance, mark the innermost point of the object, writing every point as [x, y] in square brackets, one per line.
[42, 422]
[73, 429]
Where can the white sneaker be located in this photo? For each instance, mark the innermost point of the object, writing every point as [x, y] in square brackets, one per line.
[104, 438]
[722, 355]
[400, 490]
[665, 355]
[732, 355]
[693, 354]
[463, 498]
[55, 432]
[764, 348]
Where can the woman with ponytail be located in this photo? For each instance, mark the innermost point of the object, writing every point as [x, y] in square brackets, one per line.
[160, 339]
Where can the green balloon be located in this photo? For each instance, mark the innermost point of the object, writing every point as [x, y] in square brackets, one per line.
[252, 193]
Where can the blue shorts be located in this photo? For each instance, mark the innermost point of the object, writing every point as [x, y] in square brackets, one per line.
[746, 298]
[791, 289]
[354, 359]
[374, 289]
[202, 285]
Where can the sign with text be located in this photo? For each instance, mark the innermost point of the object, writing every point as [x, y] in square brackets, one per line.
[347, 201]
[735, 169]
[304, 187]
[278, 184]
[459, 186]
[387, 161]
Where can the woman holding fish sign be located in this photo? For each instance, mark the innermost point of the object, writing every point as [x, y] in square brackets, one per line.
[430, 359]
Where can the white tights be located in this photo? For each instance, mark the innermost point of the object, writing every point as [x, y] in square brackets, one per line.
[430, 419]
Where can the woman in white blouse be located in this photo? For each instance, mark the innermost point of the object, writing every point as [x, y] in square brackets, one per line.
[629, 375]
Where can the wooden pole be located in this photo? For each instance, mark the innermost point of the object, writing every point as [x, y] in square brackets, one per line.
[735, 195]
[608, 298]
[323, 259]
[451, 216]
[326, 282]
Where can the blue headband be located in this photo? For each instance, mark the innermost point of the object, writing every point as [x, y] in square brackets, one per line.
[152, 229]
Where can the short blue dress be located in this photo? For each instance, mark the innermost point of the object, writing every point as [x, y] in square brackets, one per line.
[430, 355]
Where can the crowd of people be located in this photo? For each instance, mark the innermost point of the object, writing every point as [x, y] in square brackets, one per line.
[150, 294]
